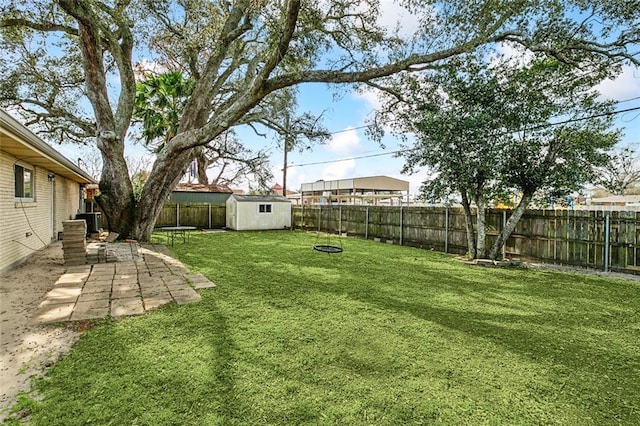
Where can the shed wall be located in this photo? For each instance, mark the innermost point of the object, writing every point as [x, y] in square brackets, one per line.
[244, 216]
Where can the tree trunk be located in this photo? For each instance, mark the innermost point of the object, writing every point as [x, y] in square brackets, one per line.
[481, 227]
[116, 190]
[510, 226]
[203, 163]
[167, 171]
[468, 221]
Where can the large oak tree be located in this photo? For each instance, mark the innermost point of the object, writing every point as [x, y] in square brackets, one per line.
[63, 58]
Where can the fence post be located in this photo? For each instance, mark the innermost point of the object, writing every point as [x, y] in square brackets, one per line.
[607, 225]
[366, 224]
[303, 223]
[340, 219]
[401, 224]
[555, 236]
[446, 229]
[209, 215]
[177, 214]
[504, 224]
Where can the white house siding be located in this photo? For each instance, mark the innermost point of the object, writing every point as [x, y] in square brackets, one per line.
[67, 204]
[19, 218]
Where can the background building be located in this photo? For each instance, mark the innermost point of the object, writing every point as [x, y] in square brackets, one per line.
[371, 190]
[200, 193]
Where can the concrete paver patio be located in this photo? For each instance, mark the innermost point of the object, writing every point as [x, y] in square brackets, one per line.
[139, 278]
[44, 290]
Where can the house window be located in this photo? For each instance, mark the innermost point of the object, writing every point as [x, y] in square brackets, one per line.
[264, 208]
[23, 182]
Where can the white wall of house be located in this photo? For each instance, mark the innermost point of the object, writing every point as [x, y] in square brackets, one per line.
[246, 213]
[29, 224]
[68, 202]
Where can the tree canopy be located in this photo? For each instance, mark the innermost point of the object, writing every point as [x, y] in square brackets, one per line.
[520, 130]
[70, 66]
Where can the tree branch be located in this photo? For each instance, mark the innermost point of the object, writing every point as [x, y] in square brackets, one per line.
[333, 76]
[38, 26]
[290, 20]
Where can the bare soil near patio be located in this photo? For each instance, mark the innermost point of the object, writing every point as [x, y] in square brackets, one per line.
[27, 349]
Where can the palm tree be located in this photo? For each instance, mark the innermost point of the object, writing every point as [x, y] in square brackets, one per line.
[159, 102]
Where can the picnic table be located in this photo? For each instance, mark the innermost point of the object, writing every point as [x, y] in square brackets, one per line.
[180, 231]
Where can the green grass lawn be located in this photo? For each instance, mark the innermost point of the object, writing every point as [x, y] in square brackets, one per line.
[378, 335]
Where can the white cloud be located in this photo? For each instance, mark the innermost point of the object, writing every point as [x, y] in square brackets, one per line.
[370, 98]
[339, 170]
[276, 171]
[393, 15]
[146, 66]
[510, 53]
[346, 142]
[295, 178]
[415, 180]
[625, 86]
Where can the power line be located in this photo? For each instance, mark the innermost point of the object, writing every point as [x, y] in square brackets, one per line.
[350, 129]
[572, 120]
[365, 126]
[628, 100]
[381, 154]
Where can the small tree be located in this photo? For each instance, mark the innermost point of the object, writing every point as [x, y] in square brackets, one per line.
[458, 122]
[491, 131]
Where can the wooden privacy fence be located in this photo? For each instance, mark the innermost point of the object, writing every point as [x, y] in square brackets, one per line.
[592, 239]
[201, 215]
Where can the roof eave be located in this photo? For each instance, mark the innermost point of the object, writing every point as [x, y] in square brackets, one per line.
[18, 138]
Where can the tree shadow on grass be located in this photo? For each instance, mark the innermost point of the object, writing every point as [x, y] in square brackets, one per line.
[545, 318]
[581, 365]
[549, 324]
[175, 366]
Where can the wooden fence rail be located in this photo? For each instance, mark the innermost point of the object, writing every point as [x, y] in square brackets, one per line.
[608, 240]
[201, 215]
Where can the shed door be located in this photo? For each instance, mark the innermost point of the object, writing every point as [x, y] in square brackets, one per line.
[231, 215]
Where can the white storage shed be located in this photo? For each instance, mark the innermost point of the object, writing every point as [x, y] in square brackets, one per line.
[258, 212]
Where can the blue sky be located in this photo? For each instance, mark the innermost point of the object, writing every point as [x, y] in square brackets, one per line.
[352, 109]
[344, 117]
[345, 114]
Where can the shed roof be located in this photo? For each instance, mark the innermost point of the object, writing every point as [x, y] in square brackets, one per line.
[22, 143]
[259, 198]
[198, 187]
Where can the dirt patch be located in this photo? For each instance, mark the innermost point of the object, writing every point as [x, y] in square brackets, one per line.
[26, 350]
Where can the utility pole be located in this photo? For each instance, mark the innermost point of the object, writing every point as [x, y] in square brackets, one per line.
[287, 146]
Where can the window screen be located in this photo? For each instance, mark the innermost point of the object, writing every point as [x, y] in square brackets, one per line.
[264, 208]
[23, 182]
